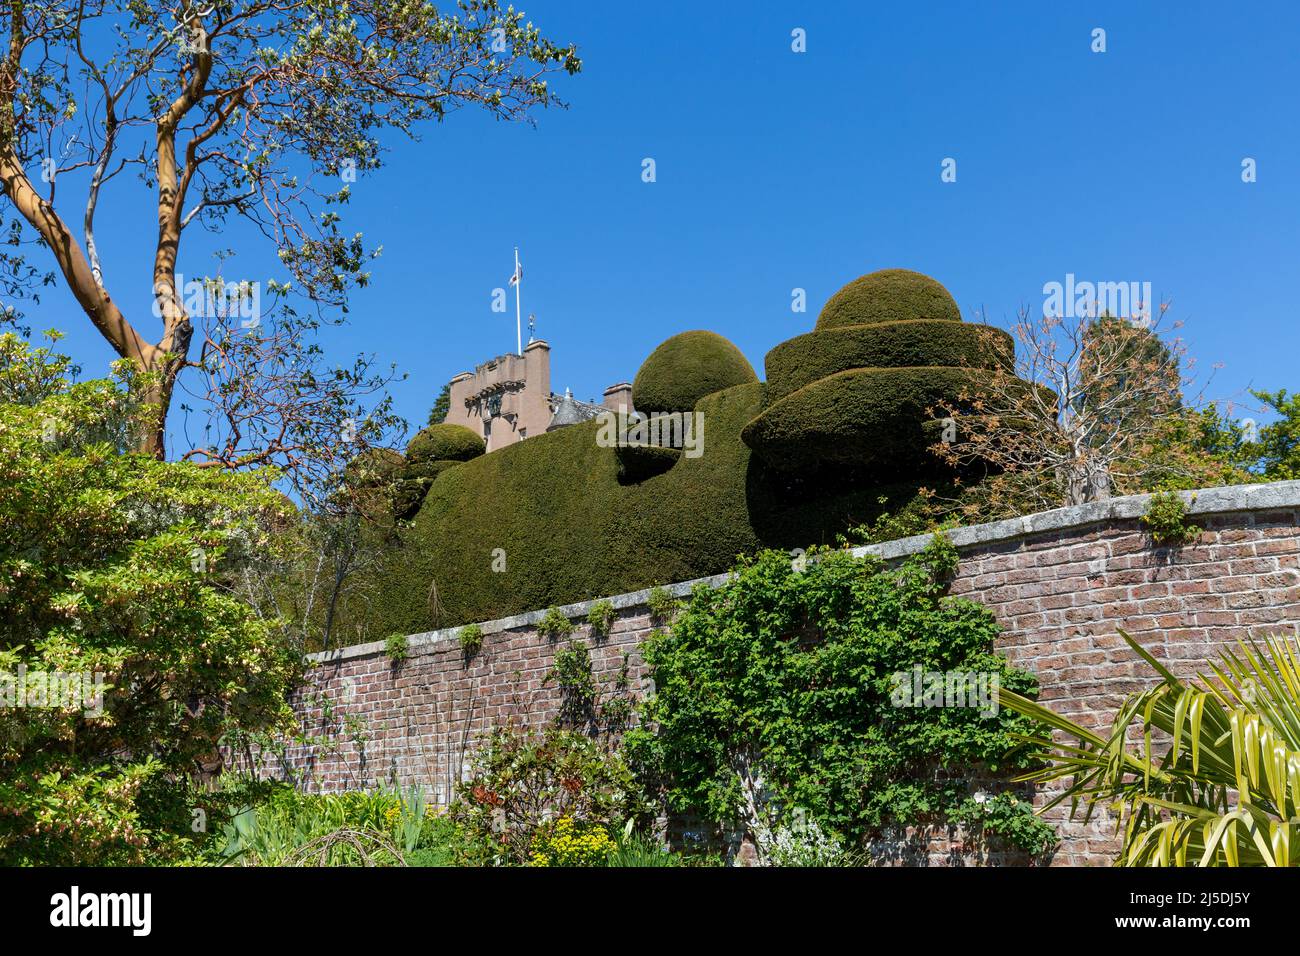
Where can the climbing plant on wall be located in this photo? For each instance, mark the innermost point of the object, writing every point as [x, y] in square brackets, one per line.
[788, 693]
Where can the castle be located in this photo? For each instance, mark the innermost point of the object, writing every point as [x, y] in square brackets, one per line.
[509, 398]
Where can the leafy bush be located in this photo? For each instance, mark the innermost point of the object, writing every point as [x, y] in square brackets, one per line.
[397, 647]
[572, 675]
[554, 625]
[600, 618]
[118, 567]
[1166, 520]
[523, 780]
[471, 639]
[685, 368]
[568, 843]
[775, 694]
[661, 604]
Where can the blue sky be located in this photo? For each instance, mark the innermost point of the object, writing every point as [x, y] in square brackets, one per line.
[778, 170]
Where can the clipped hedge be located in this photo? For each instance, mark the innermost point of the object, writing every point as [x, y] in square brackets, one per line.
[876, 420]
[685, 368]
[639, 462]
[568, 528]
[444, 443]
[801, 360]
[890, 295]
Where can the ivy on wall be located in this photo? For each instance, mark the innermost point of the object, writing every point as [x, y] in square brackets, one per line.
[787, 693]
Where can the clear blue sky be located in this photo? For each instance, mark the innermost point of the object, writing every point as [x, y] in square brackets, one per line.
[779, 170]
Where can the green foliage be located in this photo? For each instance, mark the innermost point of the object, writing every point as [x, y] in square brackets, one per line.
[374, 468]
[1166, 520]
[121, 566]
[600, 618]
[444, 443]
[635, 851]
[382, 828]
[523, 780]
[397, 647]
[554, 625]
[1279, 441]
[889, 295]
[687, 367]
[471, 639]
[441, 406]
[876, 420]
[570, 528]
[789, 677]
[661, 604]
[1215, 779]
[572, 675]
[804, 359]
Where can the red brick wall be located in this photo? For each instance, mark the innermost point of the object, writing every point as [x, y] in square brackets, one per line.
[1061, 594]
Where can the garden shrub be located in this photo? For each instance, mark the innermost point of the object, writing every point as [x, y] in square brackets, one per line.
[788, 678]
[554, 625]
[600, 618]
[122, 566]
[471, 639]
[889, 295]
[444, 442]
[685, 368]
[1166, 520]
[523, 781]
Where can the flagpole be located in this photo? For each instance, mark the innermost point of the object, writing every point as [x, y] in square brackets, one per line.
[519, 281]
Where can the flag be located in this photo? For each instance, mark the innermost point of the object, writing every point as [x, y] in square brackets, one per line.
[519, 274]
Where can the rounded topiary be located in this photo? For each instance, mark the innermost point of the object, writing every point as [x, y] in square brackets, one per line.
[890, 295]
[444, 443]
[874, 420]
[374, 467]
[804, 359]
[687, 367]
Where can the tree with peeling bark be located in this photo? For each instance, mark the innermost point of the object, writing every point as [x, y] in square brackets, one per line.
[261, 110]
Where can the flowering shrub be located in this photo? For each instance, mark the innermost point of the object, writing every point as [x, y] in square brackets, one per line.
[568, 843]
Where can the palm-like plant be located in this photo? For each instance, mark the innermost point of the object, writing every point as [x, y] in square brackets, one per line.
[1226, 788]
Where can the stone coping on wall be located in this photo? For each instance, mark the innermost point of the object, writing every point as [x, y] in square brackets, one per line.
[1207, 501]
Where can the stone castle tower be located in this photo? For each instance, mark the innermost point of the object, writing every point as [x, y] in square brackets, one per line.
[509, 398]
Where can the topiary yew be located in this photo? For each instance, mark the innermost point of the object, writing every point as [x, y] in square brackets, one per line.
[687, 367]
[889, 295]
[444, 442]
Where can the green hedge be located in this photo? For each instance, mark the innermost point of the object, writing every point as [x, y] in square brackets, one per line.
[444, 443]
[796, 362]
[890, 295]
[875, 420]
[687, 367]
[569, 528]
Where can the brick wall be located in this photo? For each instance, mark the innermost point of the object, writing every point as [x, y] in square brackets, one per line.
[1060, 582]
